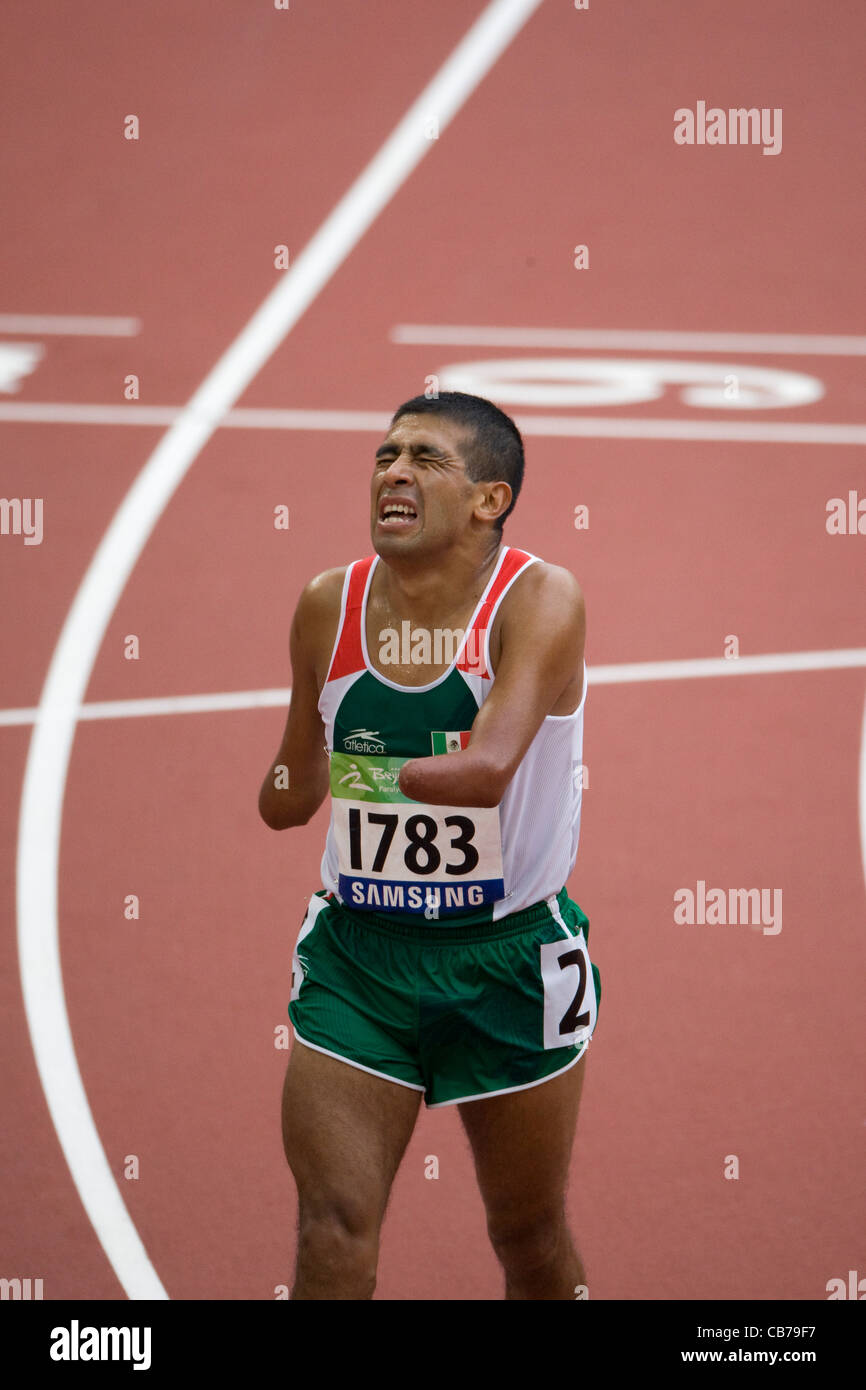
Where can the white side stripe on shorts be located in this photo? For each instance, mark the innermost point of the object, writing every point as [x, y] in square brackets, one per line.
[557, 915]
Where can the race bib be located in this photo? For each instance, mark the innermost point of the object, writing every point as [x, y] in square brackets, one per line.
[399, 855]
[570, 1004]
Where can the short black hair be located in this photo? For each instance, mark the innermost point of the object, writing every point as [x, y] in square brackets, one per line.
[496, 452]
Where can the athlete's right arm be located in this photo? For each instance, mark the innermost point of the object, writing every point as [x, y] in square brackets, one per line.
[297, 781]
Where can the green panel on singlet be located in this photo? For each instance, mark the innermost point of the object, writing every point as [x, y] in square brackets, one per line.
[375, 718]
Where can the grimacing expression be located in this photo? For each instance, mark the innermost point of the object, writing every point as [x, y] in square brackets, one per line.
[420, 492]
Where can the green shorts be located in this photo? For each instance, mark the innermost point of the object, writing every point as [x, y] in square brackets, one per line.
[459, 1012]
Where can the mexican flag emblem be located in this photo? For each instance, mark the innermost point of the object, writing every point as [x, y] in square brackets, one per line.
[450, 741]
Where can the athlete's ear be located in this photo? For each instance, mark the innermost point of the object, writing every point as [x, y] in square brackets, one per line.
[495, 499]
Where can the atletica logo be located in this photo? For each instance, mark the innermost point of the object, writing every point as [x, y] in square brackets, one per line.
[737, 906]
[736, 126]
[75, 1343]
[363, 741]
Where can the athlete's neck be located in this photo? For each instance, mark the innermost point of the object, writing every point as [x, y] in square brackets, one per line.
[426, 594]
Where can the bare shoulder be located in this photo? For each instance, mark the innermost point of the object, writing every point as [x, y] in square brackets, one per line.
[545, 591]
[543, 618]
[322, 595]
[317, 615]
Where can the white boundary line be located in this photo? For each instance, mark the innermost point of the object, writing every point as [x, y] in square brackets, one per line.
[168, 704]
[711, 431]
[102, 585]
[247, 417]
[773, 663]
[70, 325]
[647, 340]
[540, 426]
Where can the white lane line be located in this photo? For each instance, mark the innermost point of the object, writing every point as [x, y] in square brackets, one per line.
[769, 664]
[376, 421]
[70, 325]
[71, 413]
[621, 674]
[647, 340]
[167, 704]
[248, 418]
[97, 597]
[710, 431]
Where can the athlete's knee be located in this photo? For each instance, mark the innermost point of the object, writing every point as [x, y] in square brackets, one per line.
[528, 1239]
[340, 1241]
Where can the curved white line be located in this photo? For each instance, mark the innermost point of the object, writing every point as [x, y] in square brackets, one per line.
[100, 590]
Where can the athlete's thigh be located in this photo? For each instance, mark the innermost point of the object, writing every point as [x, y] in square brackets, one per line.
[344, 1133]
[522, 1143]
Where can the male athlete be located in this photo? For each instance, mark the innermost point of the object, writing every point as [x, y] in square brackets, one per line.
[442, 957]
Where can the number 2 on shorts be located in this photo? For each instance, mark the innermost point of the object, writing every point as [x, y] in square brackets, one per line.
[569, 992]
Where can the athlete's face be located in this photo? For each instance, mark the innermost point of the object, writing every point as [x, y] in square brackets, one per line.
[421, 497]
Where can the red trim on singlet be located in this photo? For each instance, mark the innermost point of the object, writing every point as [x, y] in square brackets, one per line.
[472, 656]
[348, 652]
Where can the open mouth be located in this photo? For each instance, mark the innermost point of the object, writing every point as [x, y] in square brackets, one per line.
[396, 516]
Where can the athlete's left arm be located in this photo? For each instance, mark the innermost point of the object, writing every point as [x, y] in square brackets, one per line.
[543, 627]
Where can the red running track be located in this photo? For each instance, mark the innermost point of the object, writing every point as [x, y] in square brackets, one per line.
[712, 1041]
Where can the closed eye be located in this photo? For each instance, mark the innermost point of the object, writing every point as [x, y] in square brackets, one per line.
[419, 458]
